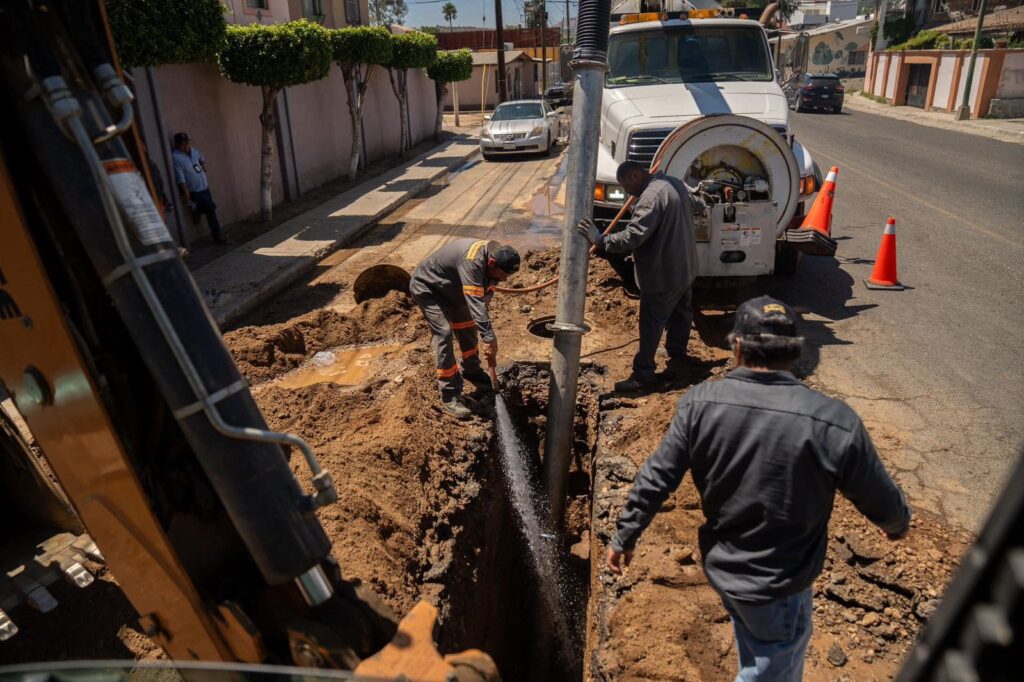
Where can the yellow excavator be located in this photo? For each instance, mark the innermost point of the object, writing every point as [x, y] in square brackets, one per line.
[148, 452]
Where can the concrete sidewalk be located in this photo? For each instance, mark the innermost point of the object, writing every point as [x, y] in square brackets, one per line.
[1002, 129]
[238, 282]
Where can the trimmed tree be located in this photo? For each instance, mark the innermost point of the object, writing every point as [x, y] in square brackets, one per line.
[272, 57]
[152, 33]
[449, 67]
[357, 50]
[413, 50]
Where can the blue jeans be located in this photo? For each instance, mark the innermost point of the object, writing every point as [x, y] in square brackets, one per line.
[772, 637]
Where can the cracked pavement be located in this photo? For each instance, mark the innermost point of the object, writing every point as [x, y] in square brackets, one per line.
[933, 370]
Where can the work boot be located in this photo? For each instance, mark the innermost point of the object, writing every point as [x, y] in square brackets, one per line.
[480, 380]
[632, 384]
[456, 408]
[676, 367]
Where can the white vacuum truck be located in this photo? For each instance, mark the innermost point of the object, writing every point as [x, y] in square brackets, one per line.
[697, 94]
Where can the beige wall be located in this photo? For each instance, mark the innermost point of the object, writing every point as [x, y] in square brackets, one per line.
[469, 91]
[1011, 80]
[222, 119]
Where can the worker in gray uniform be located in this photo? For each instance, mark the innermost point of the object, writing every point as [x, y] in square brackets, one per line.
[660, 237]
[452, 287]
[767, 456]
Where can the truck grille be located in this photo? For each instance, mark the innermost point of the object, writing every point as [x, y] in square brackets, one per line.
[644, 143]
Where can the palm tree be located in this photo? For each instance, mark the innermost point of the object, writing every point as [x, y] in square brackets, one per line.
[450, 11]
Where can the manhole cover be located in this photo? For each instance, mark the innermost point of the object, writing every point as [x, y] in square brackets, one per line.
[539, 326]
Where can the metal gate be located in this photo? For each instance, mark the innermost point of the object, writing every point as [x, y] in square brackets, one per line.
[917, 85]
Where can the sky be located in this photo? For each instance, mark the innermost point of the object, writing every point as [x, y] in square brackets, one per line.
[471, 12]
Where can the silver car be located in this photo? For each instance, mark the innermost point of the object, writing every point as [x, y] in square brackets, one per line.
[520, 127]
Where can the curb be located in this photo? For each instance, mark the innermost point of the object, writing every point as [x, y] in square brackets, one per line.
[973, 127]
[302, 242]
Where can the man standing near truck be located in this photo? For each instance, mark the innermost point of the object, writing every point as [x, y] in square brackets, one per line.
[452, 287]
[660, 237]
[767, 455]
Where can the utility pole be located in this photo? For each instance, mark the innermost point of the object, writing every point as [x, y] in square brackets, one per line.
[964, 112]
[589, 62]
[880, 40]
[502, 85]
[543, 47]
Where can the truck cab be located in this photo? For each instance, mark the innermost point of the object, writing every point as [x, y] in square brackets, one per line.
[667, 70]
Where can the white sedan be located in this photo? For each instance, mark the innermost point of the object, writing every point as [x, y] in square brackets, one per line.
[520, 127]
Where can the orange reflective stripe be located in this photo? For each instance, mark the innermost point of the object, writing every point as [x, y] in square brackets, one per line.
[447, 373]
[475, 249]
[473, 291]
[470, 353]
[463, 325]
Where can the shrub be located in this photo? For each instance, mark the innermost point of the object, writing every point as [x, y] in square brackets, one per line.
[151, 33]
[449, 67]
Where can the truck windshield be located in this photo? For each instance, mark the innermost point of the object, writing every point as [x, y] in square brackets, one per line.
[688, 54]
[515, 112]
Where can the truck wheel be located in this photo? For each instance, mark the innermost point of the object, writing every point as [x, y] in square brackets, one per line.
[787, 260]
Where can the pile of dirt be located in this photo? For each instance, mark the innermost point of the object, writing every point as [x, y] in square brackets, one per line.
[264, 351]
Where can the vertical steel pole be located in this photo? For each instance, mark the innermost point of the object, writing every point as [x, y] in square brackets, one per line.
[572, 282]
[500, 35]
[543, 48]
[964, 112]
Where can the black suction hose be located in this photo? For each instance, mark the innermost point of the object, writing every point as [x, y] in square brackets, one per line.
[592, 31]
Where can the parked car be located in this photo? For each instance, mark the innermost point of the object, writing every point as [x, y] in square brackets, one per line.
[559, 95]
[816, 91]
[520, 127]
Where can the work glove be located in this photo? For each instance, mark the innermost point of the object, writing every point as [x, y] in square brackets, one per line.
[491, 352]
[588, 229]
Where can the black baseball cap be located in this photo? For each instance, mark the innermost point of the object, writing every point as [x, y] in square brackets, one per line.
[180, 138]
[764, 316]
[506, 259]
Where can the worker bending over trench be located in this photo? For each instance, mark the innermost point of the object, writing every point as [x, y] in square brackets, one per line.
[452, 287]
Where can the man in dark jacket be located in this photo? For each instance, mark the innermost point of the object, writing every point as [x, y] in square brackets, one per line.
[453, 287]
[767, 455]
[660, 237]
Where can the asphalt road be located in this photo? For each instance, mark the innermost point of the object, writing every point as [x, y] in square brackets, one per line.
[936, 370]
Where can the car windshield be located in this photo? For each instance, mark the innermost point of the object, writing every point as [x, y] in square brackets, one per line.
[689, 54]
[515, 112]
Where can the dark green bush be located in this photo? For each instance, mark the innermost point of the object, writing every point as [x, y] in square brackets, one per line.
[151, 33]
[451, 67]
[276, 55]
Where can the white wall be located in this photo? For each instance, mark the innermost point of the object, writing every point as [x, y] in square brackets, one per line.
[876, 85]
[979, 66]
[890, 87]
[1011, 80]
[943, 82]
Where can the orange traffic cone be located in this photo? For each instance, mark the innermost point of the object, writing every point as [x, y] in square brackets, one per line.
[814, 236]
[883, 276]
[820, 216]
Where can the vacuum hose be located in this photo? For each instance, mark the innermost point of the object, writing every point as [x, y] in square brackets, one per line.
[592, 33]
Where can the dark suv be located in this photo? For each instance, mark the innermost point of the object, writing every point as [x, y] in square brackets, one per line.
[816, 91]
[559, 95]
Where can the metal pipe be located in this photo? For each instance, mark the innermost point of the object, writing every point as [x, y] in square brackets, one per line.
[964, 112]
[500, 35]
[590, 63]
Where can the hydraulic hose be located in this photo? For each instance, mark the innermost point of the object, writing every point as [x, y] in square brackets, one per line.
[592, 34]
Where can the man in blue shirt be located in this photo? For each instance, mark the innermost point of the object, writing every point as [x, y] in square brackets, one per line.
[190, 175]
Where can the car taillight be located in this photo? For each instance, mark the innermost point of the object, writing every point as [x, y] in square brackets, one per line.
[807, 88]
[841, 88]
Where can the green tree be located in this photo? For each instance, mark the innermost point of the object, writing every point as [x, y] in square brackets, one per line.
[273, 57]
[152, 33]
[413, 50]
[449, 67]
[387, 12]
[357, 50]
[450, 12]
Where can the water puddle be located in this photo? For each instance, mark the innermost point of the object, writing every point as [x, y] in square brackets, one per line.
[350, 367]
[547, 205]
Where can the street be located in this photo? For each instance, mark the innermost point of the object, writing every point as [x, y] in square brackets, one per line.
[934, 368]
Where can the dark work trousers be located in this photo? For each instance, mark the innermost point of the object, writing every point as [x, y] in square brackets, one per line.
[666, 309]
[205, 206]
[443, 319]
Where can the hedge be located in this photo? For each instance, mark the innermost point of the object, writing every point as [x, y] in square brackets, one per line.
[151, 33]
[276, 55]
[451, 67]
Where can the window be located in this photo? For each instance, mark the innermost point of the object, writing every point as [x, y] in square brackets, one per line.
[258, 4]
[313, 10]
[940, 7]
[352, 13]
[857, 58]
[690, 54]
[518, 111]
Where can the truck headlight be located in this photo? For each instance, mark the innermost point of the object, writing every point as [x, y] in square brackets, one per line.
[806, 185]
[616, 194]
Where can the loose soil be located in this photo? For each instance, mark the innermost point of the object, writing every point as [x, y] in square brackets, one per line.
[421, 514]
